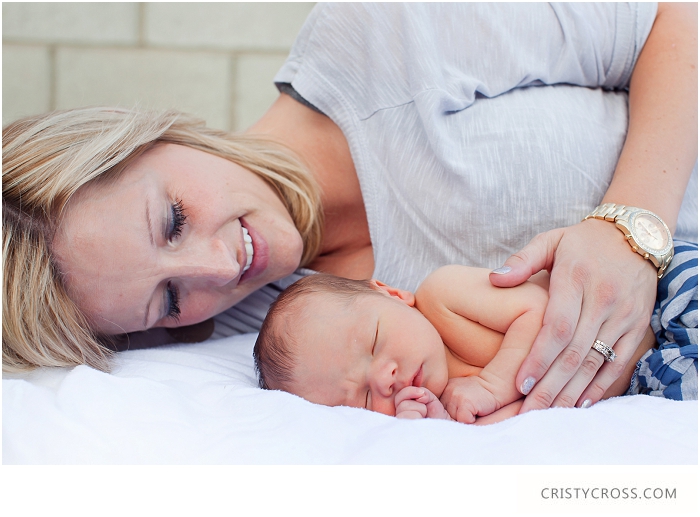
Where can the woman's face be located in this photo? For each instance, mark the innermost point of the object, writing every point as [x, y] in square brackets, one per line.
[170, 242]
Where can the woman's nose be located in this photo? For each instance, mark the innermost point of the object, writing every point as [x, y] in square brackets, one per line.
[212, 262]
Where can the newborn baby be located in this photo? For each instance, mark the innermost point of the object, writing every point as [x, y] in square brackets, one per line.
[336, 341]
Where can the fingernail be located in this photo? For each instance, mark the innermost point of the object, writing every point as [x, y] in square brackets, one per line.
[586, 403]
[501, 270]
[527, 385]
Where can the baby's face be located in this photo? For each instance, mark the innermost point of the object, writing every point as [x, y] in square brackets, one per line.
[363, 353]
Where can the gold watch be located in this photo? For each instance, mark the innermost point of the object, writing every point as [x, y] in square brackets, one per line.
[645, 231]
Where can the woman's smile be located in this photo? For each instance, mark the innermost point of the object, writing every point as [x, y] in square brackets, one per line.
[249, 250]
[257, 252]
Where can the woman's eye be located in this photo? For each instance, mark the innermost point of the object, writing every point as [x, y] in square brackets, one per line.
[177, 220]
[172, 302]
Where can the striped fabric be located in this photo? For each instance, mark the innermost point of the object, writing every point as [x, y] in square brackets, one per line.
[671, 370]
[248, 315]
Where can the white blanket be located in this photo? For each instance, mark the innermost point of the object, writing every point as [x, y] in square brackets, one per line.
[199, 404]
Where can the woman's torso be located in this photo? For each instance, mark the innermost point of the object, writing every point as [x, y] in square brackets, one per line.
[462, 154]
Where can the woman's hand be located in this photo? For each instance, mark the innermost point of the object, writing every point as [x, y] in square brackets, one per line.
[599, 289]
[415, 402]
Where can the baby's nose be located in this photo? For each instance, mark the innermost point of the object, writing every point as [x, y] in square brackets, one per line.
[386, 380]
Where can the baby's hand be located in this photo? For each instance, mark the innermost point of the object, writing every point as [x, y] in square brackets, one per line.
[415, 402]
[466, 398]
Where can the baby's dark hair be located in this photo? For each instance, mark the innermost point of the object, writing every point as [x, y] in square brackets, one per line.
[274, 348]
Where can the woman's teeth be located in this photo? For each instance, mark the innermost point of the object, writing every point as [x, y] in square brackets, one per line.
[248, 249]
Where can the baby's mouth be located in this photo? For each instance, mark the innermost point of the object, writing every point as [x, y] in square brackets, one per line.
[248, 249]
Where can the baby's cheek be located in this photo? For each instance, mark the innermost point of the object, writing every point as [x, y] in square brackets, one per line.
[386, 406]
[439, 385]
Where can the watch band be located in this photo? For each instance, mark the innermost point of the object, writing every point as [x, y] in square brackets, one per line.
[608, 212]
[621, 215]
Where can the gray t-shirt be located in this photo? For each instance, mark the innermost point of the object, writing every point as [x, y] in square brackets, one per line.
[473, 127]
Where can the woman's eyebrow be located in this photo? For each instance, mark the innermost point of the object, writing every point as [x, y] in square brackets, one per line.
[148, 224]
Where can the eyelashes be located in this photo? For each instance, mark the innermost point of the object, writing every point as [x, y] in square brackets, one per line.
[178, 217]
[173, 302]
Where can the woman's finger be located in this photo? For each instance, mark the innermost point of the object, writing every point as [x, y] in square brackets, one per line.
[616, 375]
[537, 255]
[598, 321]
[569, 396]
[602, 318]
[550, 346]
[609, 285]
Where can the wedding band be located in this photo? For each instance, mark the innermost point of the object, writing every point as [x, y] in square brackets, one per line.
[604, 349]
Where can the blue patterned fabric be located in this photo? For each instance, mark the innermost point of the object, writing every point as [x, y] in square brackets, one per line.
[671, 370]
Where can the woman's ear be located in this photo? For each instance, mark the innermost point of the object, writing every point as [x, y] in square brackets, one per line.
[405, 296]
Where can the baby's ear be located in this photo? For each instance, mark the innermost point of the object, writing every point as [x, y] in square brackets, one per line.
[405, 296]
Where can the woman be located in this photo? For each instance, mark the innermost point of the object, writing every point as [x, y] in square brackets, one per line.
[425, 148]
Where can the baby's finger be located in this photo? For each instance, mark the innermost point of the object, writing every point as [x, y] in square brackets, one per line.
[465, 416]
[413, 406]
[410, 415]
[464, 413]
[409, 392]
[435, 407]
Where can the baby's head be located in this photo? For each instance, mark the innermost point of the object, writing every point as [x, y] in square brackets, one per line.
[336, 341]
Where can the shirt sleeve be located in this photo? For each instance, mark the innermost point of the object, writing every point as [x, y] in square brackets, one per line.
[386, 54]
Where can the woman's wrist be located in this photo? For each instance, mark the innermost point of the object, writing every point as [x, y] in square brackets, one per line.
[645, 232]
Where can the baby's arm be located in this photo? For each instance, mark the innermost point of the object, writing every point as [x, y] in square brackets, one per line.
[459, 300]
[413, 403]
[507, 411]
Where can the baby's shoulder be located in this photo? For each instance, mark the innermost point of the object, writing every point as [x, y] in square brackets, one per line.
[452, 273]
[448, 282]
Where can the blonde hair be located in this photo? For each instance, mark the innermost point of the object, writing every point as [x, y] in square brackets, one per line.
[46, 159]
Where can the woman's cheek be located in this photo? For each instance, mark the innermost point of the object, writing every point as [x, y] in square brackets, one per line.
[201, 307]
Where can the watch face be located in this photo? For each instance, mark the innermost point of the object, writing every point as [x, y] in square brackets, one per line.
[650, 232]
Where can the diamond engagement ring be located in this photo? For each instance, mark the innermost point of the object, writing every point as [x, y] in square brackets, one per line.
[604, 349]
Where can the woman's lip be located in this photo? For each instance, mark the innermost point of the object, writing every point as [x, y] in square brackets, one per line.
[260, 256]
[418, 377]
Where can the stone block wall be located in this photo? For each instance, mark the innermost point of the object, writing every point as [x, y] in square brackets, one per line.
[215, 60]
